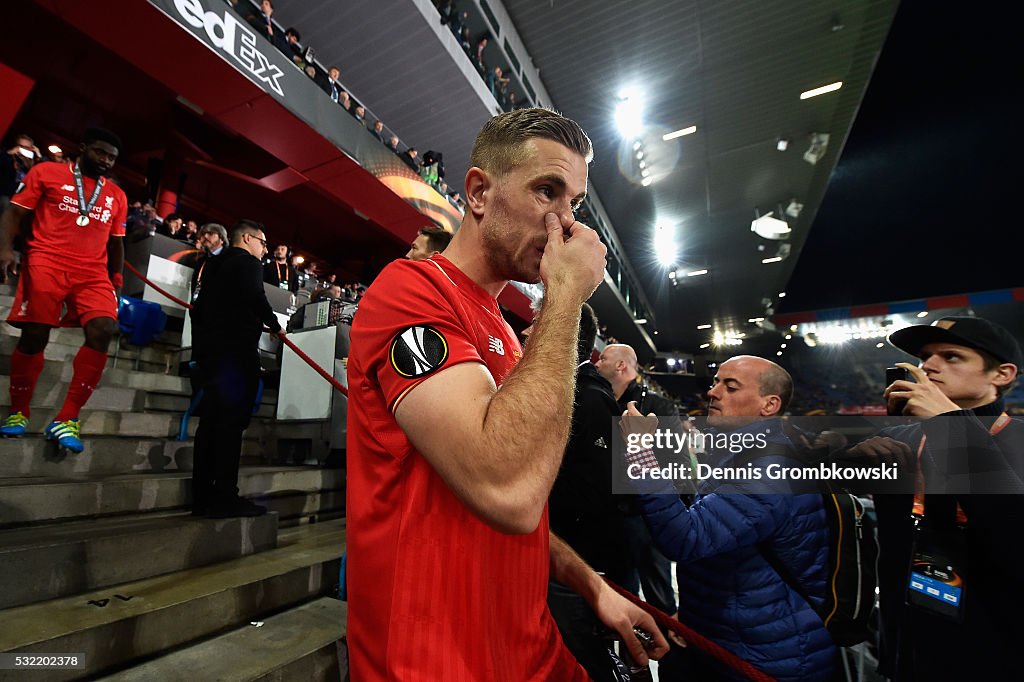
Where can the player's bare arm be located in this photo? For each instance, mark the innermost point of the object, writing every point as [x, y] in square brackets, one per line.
[9, 225]
[616, 612]
[499, 450]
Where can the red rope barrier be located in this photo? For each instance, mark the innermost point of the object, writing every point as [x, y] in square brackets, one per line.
[692, 638]
[284, 339]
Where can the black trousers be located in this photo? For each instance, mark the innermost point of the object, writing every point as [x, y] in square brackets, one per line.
[229, 387]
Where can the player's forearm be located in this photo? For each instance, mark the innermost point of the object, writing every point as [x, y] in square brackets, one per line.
[526, 425]
[9, 227]
[569, 569]
[115, 256]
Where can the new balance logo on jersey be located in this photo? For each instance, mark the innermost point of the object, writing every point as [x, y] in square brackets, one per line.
[67, 188]
[495, 345]
[226, 33]
[600, 443]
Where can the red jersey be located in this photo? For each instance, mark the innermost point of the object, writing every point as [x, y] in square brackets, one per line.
[434, 592]
[57, 241]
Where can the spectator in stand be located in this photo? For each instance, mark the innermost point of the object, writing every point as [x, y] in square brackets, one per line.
[261, 21]
[447, 11]
[481, 45]
[497, 83]
[73, 276]
[466, 41]
[213, 237]
[360, 115]
[378, 131]
[411, 158]
[393, 143]
[311, 72]
[456, 198]
[312, 277]
[279, 272]
[458, 21]
[150, 215]
[191, 231]
[333, 86]
[14, 165]
[513, 102]
[331, 292]
[430, 240]
[172, 226]
[291, 46]
[227, 320]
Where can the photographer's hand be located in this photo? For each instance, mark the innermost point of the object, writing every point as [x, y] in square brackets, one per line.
[924, 398]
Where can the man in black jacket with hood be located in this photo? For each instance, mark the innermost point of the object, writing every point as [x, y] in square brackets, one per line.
[227, 320]
[618, 364]
[582, 509]
[950, 554]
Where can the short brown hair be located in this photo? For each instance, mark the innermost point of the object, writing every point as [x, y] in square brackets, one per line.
[500, 146]
[437, 239]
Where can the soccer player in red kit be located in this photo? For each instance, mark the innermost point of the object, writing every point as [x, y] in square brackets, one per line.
[455, 435]
[72, 265]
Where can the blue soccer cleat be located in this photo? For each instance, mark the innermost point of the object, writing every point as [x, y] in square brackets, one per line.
[14, 426]
[66, 434]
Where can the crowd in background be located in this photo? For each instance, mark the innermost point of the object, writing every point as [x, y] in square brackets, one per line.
[429, 166]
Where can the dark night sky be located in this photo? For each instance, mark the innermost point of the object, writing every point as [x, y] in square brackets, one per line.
[925, 198]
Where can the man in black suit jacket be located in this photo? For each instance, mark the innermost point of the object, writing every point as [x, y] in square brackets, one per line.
[227, 320]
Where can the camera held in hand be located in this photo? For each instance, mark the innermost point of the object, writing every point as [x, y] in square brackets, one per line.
[893, 374]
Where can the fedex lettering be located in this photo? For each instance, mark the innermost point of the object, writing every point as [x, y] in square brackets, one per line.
[227, 34]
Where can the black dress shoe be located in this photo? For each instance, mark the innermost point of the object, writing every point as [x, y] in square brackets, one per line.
[231, 508]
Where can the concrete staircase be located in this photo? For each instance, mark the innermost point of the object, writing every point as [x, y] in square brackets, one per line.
[99, 555]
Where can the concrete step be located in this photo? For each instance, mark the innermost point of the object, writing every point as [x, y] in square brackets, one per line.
[52, 394]
[159, 358]
[299, 644]
[59, 560]
[161, 401]
[32, 455]
[168, 611]
[73, 336]
[34, 500]
[121, 376]
[124, 424]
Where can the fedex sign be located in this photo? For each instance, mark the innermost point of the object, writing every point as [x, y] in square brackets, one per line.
[226, 33]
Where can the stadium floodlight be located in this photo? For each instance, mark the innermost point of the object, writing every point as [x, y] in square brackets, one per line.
[770, 227]
[629, 113]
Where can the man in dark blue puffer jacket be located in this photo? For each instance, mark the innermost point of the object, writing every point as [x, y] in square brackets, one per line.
[728, 590]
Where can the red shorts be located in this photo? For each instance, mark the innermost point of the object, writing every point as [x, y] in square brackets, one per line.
[59, 298]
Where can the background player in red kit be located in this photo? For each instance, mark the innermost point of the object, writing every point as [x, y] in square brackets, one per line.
[454, 442]
[74, 259]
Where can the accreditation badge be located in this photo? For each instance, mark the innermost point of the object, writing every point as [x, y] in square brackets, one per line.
[938, 570]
